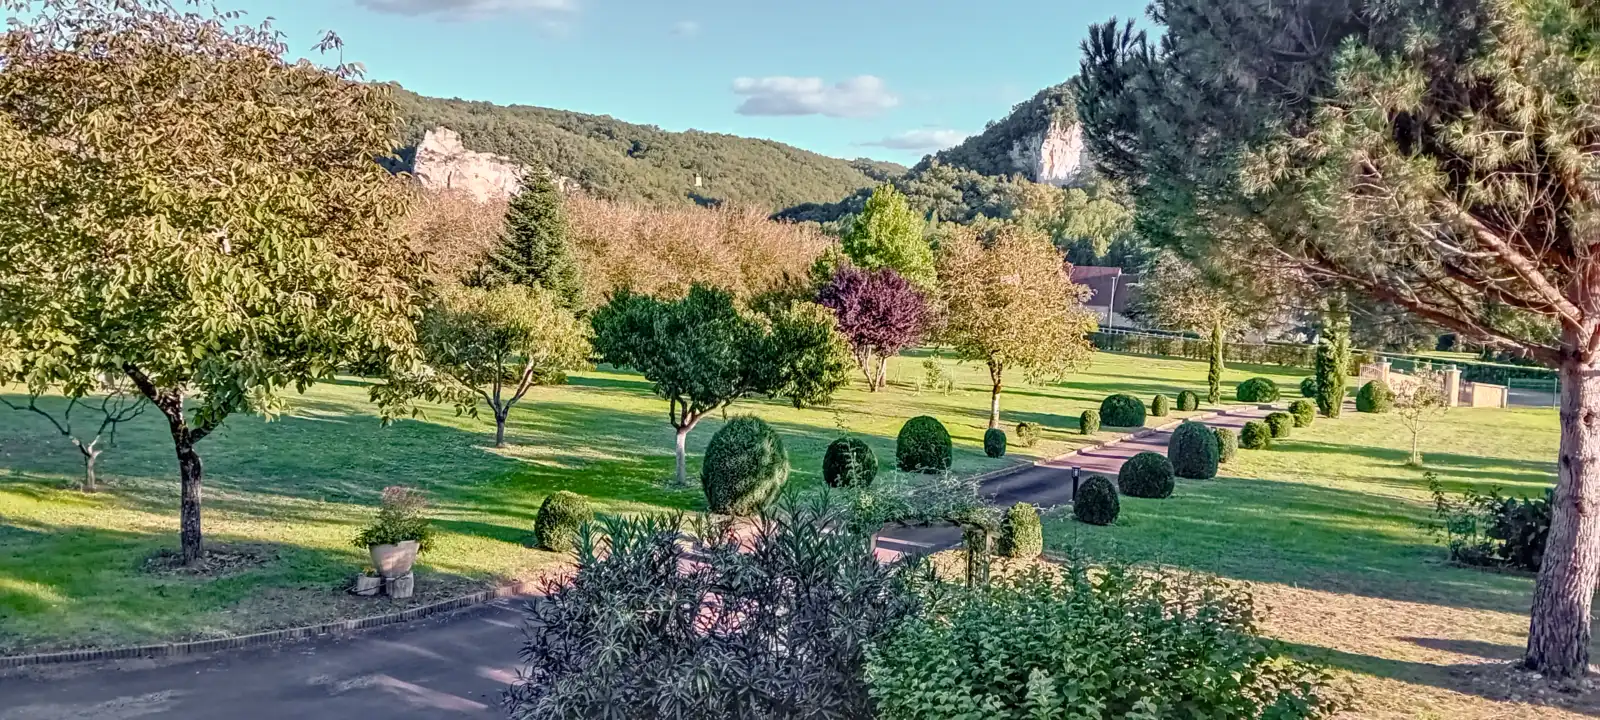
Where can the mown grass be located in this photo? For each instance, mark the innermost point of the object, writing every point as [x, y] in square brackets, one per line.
[72, 566]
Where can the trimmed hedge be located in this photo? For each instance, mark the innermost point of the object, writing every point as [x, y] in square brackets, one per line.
[849, 462]
[923, 446]
[1308, 387]
[1255, 436]
[560, 516]
[1160, 406]
[1027, 434]
[1089, 422]
[1257, 390]
[994, 442]
[1188, 400]
[1146, 475]
[1194, 451]
[1097, 502]
[1122, 410]
[1021, 534]
[1375, 397]
[744, 467]
[1227, 445]
[1280, 423]
[1304, 412]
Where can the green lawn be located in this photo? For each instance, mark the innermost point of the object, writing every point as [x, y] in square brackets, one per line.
[295, 490]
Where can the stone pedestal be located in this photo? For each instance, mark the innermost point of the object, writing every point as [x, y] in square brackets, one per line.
[367, 585]
[1383, 371]
[1452, 386]
[401, 587]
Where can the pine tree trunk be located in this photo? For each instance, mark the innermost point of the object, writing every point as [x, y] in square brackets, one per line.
[1558, 635]
[191, 472]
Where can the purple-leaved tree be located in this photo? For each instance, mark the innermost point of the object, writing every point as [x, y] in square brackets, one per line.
[880, 312]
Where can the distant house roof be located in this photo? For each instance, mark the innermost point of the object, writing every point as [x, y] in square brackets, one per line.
[1107, 283]
[1081, 273]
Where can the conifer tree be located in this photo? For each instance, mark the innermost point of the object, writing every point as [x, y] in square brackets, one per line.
[535, 249]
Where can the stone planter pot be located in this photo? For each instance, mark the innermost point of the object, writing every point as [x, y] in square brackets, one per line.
[395, 560]
[367, 585]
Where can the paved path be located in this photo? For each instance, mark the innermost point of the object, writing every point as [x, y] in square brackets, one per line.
[449, 667]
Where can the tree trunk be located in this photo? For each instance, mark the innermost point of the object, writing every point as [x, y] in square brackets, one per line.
[1558, 635]
[883, 372]
[683, 466]
[499, 428]
[88, 469]
[191, 472]
[864, 361]
[995, 374]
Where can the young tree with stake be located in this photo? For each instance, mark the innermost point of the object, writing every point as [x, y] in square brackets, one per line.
[1418, 400]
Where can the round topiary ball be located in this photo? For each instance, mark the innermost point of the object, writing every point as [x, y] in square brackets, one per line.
[1308, 387]
[1280, 423]
[1159, 406]
[1089, 422]
[1146, 475]
[1027, 434]
[1255, 436]
[1375, 397]
[560, 516]
[1227, 445]
[1188, 400]
[1122, 410]
[849, 462]
[994, 442]
[1194, 451]
[923, 446]
[745, 465]
[1257, 390]
[1097, 502]
[1021, 535]
[1304, 412]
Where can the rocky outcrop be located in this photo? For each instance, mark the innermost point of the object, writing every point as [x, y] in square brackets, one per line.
[442, 162]
[1055, 155]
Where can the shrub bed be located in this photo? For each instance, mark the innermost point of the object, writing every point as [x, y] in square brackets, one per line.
[1304, 412]
[994, 442]
[849, 462]
[1280, 423]
[1089, 422]
[1227, 445]
[1194, 451]
[1257, 390]
[1375, 397]
[1255, 436]
[1097, 502]
[745, 465]
[1122, 410]
[1146, 475]
[923, 446]
[1021, 534]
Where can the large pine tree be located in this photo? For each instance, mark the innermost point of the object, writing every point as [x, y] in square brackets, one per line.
[535, 249]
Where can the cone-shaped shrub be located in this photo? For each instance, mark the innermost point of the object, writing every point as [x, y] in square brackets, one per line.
[1089, 422]
[1027, 434]
[1097, 502]
[745, 466]
[1194, 451]
[994, 442]
[1122, 411]
[923, 446]
[1375, 397]
[1188, 400]
[1159, 406]
[1255, 436]
[1146, 475]
[1257, 390]
[1304, 412]
[849, 462]
[1021, 535]
[560, 516]
[1227, 445]
[1280, 423]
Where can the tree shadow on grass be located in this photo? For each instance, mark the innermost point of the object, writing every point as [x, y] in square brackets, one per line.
[1509, 471]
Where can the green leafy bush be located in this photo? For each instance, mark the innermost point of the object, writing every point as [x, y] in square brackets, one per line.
[1255, 436]
[1257, 390]
[1304, 412]
[1102, 641]
[745, 466]
[1089, 422]
[560, 516]
[994, 442]
[849, 462]
[1146, 475]
[1027, 434]
[1375, 397]
[1021, 535]
[1227, 445]
[1097, 502]
[1160, 406]
[1122, 410]
[923, 445]
[1308, 387]
[1490, 530]
[1188, 400]
[400, 518]
[1194, 451]
[1280, 423]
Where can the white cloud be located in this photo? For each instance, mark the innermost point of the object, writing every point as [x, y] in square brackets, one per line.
[686, 28]
[923, 140]
[458, 9]
[861, 96]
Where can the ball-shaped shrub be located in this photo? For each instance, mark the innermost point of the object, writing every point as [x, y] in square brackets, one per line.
[1097, 502]
[1308, 387]
[1257, 390]
[923, 446]
[1089, 422]
[1255, 436]
[1021, 535]
[1280, 423]
[560, 516]
[1028, 434]
[994, 442]
[1375, 397]
[849, 462]
[1160, 406]
[1188, 400]
[1194, 451]
[1227, 445]
[1146, 475]
[745, 465]
[1122, 411]
[1304, 412]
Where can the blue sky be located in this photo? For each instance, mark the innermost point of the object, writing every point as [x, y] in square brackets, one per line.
[890, 79]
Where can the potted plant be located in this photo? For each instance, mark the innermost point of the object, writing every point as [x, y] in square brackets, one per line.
[398, 534]
[368, 583]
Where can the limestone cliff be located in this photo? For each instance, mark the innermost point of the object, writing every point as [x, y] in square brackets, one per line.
[442, 162]
[1040, 139]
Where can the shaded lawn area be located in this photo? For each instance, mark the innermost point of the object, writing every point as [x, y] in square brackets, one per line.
[294, 491]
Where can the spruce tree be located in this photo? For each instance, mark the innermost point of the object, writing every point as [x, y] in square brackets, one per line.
[535, 249]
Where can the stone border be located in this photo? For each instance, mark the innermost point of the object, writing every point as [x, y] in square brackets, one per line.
[198, 647]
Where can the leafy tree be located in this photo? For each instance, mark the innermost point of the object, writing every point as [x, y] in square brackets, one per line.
[812, 358]
[535, 249]
[1333, 358]
[1417, 401]
[497, 345]
[1430, 155]
[1011, 305]
[879, 312]
[888, 234]
[117, 403]
[180, 206]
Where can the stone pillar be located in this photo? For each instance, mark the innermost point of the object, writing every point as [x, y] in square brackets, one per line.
[1452, 386]
[1383, 371]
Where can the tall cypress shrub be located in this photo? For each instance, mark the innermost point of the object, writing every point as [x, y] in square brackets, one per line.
[535, 249]
[1333, 358]
[1214, 374]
